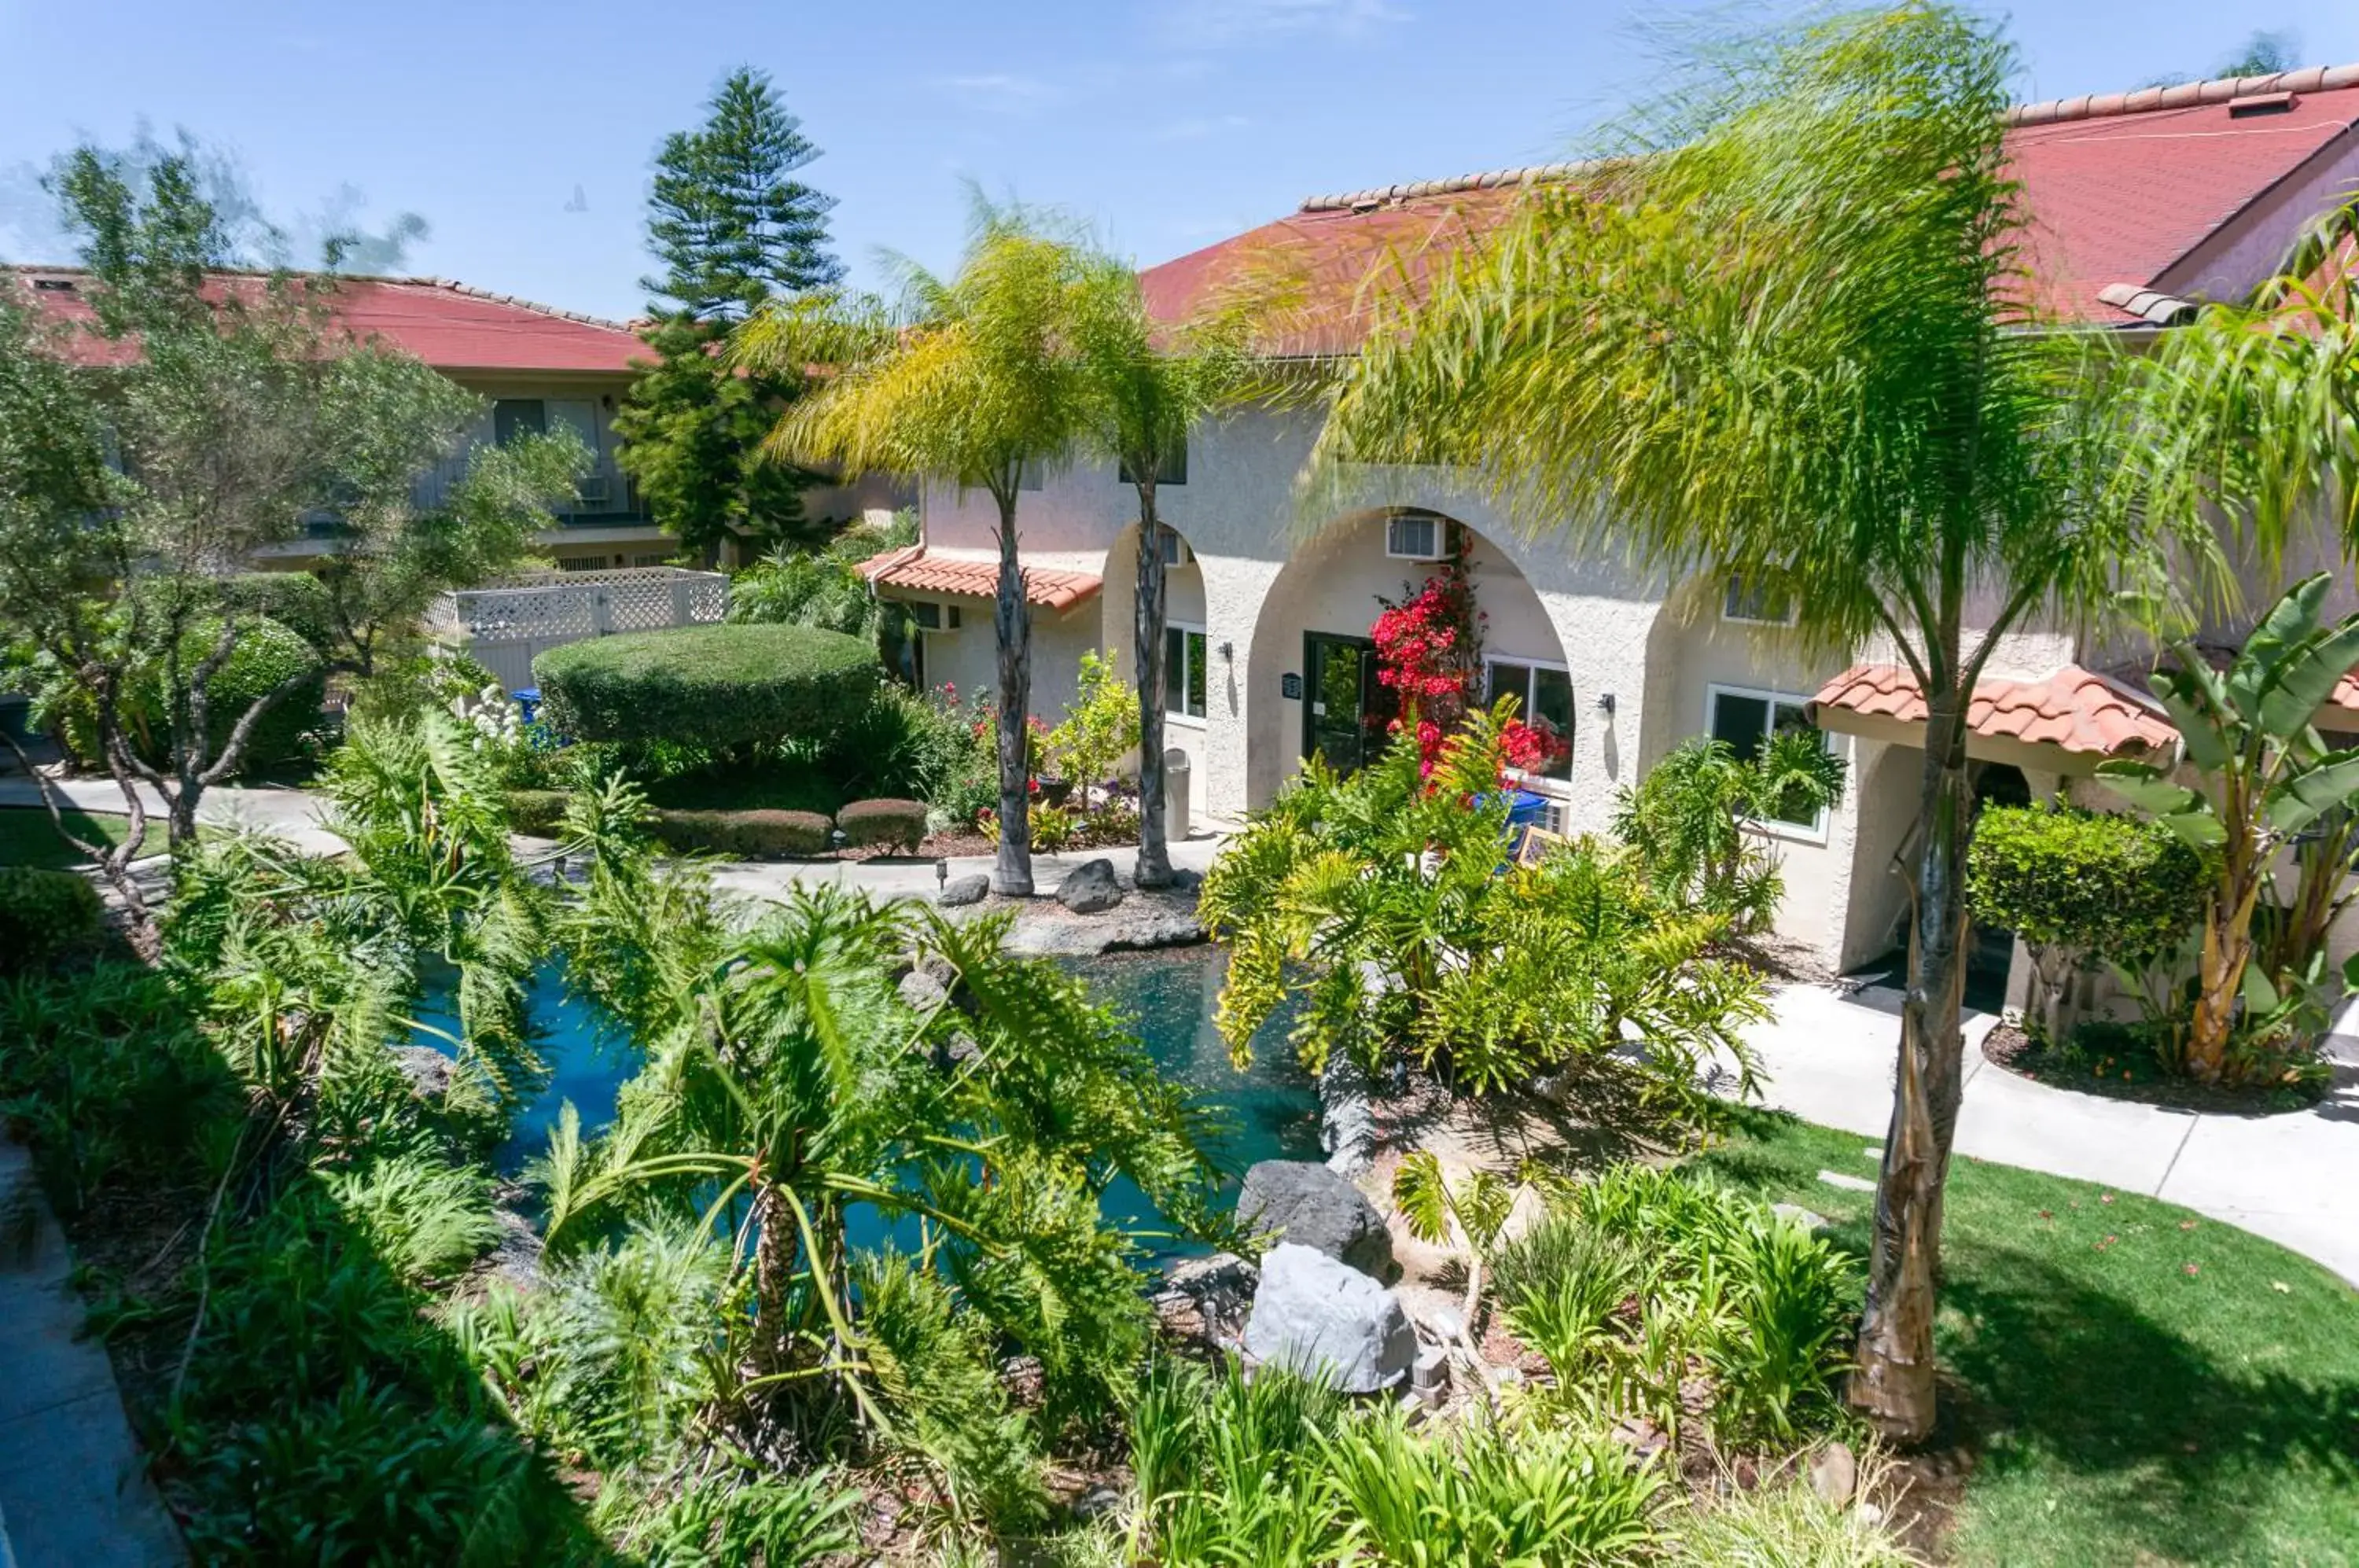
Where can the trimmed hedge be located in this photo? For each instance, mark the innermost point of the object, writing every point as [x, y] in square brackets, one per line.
[719, 686]
[899, 822]
[43, 913]
[746, 835]
[296, 600]
[535, 812]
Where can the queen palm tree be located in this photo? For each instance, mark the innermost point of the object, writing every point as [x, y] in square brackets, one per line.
[968, 380]
[1783, 336]
[1150, 382]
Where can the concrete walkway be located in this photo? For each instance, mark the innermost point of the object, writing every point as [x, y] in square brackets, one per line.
[73, 1488]
[1829, 1056]
[293, 814]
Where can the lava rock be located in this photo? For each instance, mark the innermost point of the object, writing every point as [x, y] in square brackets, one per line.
[1206, 1299]
[1322, 1319]
[1091, 888]
[1311, 1205]
[961, 890]
[1140, 929]
[1347, 1116]
[922, 992]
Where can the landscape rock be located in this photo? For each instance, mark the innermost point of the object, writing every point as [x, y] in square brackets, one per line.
[1311, 1205]
[1206, 1299]
[961, 890]
[1347, 1116]
[922, 992]
[1143, 928]
[1090, 888]
[1316, 1316]
[517, 1259]
[1801, 1215]
[427, 1069]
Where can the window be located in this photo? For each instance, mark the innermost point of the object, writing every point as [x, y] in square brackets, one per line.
[1751, 600]
[660, 557]
[1543, 694]
[1413, 535]
[1745, 720]
[1174, 469]
[513, 418]
[1175, 548]
[1183, 672]
[928, 617]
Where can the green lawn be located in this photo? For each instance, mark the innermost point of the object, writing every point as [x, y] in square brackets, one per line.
[2146, 1386]
[28, 837]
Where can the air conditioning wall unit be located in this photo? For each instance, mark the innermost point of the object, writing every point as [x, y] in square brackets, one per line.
[1415, 535]
[592, 491]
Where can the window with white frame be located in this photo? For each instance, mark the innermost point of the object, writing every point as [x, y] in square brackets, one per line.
[1743, 720]
[1183, 672]
[1543, 694]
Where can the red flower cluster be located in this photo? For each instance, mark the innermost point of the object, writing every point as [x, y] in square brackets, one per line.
[1428, 651]
[1529, 748]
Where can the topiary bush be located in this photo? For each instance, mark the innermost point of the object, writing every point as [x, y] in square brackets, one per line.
[746, 835]
[901, 824]
[537, 812]
[296, 600]
[2081, 888]
[722, 687]
[44, 914]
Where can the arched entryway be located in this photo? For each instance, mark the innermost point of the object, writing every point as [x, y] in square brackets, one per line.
[1311, 662]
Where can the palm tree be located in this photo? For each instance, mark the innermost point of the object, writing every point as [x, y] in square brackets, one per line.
[1785, 340]
[1150, 384]
[968, 379]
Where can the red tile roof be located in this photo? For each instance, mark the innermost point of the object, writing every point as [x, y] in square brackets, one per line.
[449, 325]
[2118, 189]
[2074, 709]
[912, 568]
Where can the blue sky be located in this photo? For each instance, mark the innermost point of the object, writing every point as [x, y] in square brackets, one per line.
[1168, 123]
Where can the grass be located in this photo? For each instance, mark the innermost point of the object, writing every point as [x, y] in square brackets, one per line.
[2144, 1384]
[28, 837]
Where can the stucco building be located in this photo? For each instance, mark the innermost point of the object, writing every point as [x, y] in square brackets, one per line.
[2140, 203]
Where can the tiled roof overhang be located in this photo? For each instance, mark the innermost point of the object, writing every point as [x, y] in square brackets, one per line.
[917, 570]
[2075, 711]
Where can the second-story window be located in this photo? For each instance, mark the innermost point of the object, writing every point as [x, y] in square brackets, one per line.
[513, 418]
[1173, 471]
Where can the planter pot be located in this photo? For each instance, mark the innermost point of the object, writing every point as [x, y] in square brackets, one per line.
[1056, 791]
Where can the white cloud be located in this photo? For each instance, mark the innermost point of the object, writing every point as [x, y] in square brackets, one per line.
[998, 92]
[1196, 130]
[1216, 22]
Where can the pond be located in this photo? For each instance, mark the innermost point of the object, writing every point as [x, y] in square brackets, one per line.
[1269, 1112]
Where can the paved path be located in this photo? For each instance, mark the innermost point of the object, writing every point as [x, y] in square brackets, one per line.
[1829, 1054]
[292, 814]
[74, 1488]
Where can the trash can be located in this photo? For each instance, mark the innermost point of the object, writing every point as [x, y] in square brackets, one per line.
[1175, 795]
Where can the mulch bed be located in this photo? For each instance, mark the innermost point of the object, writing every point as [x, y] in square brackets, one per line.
[2134, 1075]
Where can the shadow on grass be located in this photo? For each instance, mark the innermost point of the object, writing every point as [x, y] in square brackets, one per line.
[316, 1412]
[2141, 1385]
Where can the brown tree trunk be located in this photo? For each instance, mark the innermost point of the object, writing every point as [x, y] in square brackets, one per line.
[1011, 873]
[1892, 1387]
[1147, 630]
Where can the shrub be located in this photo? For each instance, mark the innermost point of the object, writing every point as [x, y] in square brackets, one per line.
[535, 812]
[1101, 726]
[722, 687]
[296, 600]
[43, 913]
[746, 834]
[805, 591]
[2081, 888]
[901, 822]
[266, 656]
[918, 745]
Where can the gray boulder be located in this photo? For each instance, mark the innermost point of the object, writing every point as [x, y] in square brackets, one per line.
[1313, 1206]
[1090, 888]
[1317, 1317]
[961, 890]
[427, 1069]
[1347, 1116]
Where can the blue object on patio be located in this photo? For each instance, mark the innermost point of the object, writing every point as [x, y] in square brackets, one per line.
[528, 700]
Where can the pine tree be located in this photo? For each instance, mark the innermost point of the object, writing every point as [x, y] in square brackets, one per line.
[732, 229]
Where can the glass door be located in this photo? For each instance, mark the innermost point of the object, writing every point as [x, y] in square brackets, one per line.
[1340, 724]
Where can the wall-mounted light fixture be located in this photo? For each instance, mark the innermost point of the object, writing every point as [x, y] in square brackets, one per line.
[1228, 653]
[1605, 704]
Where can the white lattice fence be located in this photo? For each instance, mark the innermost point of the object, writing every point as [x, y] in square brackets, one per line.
[506, 625]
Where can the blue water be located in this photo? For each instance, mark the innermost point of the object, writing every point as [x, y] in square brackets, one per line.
[1269, 1112]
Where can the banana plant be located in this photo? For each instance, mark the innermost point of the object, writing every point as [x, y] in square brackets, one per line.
[2267, 780]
